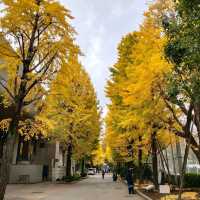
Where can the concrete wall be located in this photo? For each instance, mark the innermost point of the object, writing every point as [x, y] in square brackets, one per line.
[58, 170]
[31, 171]
[58, 173]
[44, 155]
[26, 173]
[59, 164]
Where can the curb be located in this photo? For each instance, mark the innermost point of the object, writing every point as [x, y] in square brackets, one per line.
[143, 195]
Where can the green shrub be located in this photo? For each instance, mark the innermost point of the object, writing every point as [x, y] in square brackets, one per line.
[75, 177]
[175, 180]
[192, 180]
[83, 174]
[121, 171]
[145, 173]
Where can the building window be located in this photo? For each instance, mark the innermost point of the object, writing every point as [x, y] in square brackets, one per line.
[25, 150]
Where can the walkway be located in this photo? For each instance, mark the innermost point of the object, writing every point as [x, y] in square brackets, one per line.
[93, 188]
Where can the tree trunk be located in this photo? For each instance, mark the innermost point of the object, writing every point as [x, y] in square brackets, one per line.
[179, 155]
[6, 163]
[4, 174]
[140, 158]
[174, 162]
[7, 158]
[82, 166]
[187, 148]
[164, 161]
[140, 153]
[154, 159]
[69, 160]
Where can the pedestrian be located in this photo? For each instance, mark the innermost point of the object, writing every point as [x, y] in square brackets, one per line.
[45, 172]
[129, 179]
[103, 173]
[114, 176]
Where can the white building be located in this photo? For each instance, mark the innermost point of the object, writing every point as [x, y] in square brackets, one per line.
[37, 162]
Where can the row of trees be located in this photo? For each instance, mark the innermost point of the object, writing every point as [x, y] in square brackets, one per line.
[71, 107]
[45, 92]
[154, 86]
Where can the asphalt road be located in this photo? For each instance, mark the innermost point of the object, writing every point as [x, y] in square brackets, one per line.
[93, 188]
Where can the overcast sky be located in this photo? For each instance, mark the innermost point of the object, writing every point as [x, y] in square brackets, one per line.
[100, 25]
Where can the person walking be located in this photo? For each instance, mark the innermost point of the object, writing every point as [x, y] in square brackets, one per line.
[103, 173]
[129, 179]
[114, 176]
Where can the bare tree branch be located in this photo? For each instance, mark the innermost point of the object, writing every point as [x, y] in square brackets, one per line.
[43, 30]
[20, 47]
[37, 80]
[7, 90]
[173, 113]
[38, 98]
[40, 62]
[24, 33]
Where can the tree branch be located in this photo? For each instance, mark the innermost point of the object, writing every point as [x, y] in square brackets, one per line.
[183, 135]
[37, 80]
[182, 107]
[40, 62]
[43, 30]
[7, 90]
[26, 103]
[173, 113]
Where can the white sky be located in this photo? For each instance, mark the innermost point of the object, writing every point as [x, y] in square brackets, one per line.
[100, 25]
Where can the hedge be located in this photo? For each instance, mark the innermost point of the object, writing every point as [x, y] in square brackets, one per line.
[192, 180]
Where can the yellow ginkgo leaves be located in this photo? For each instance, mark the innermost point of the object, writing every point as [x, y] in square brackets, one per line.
[137, 109]
[72, 107]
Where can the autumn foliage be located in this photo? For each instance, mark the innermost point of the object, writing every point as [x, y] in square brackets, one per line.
[136, 108]
[45, 92]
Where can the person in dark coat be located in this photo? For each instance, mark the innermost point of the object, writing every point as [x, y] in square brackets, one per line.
[114, 176]
[103, 173]
[129, 179]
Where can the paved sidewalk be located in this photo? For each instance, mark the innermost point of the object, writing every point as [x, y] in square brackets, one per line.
[93, 188]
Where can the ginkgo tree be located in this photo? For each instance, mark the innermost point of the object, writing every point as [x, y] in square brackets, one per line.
[137, 113]
[36, 38]
[117, 109]
[98, 155]
[73, 109]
